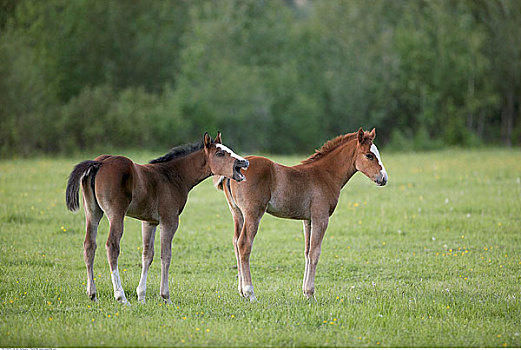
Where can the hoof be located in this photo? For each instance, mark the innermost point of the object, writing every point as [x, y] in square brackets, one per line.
[310, 295]
[249, 294]
[141, 300]
[311, 298]
[124, 302]
[167, 301]
[93, 297]
[122, 299]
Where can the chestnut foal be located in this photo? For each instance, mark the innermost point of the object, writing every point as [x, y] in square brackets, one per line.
[308, 191]
[154, 193]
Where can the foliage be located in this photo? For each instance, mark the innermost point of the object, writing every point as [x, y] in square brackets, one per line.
[277, 76]
[440, 243]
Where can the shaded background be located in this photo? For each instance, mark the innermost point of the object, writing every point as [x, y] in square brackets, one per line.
[274, 76]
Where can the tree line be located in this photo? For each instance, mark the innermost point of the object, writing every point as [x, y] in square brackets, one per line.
[274, 76]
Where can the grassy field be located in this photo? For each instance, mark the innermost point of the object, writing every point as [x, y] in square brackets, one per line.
[432, 259]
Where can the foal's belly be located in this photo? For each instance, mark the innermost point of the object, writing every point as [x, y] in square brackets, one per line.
[142, 213]
[288, 210]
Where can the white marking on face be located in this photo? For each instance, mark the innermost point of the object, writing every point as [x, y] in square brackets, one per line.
[374, 149]
[226, 149]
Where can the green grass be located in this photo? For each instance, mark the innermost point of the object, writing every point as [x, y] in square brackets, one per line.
[432, 259]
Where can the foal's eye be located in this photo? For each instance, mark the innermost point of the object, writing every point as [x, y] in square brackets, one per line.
[369, 156]
[219, 153]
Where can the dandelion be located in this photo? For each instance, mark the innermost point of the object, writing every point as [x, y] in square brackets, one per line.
[109, 315]
[232, 316]
[50, 318]
[337, 297]
[197, 329]
[356, 204]
[207, 330]
[184, 317]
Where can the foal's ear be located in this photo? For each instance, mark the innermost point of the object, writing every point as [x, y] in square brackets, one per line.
[360, 135]
[373, 133]
[207, 140]
[218, 138]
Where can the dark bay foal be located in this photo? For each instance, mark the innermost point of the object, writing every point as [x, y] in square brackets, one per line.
[308, 191]
[154, 193]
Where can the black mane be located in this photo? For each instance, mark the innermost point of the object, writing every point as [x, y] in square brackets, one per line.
[179, 151]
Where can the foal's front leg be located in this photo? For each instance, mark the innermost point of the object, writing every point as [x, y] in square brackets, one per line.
[238, 223]
[244, 244]
[168, 229]
[318, 228]
[149, 232]
[307, 238]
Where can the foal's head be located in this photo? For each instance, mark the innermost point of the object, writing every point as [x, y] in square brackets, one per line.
[223, 161]
[367, 158]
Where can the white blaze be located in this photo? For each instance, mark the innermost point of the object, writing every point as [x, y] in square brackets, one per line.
[232, 153]
[377, 154]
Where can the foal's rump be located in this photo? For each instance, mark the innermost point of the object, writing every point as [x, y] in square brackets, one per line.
[110, 176]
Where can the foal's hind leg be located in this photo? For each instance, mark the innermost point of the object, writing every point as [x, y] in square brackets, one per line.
[115, 233]
[93, 215]
[149, 232]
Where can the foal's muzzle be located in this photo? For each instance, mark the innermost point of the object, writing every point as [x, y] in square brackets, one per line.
[381, 179]
[239, 164]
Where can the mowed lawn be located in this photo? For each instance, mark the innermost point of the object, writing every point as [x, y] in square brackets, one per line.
[431, 259]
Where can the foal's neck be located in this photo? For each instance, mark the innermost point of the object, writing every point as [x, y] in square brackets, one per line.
[191, 169]
[342, 163]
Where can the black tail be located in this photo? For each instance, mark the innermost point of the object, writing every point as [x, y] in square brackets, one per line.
[73, 185]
